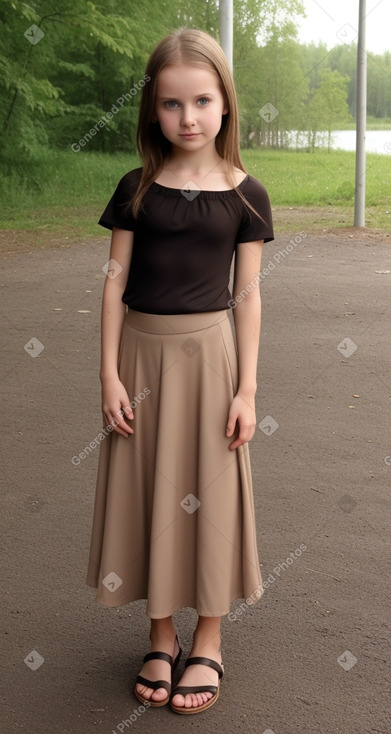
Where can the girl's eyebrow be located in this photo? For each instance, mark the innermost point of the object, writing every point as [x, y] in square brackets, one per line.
[196, 96]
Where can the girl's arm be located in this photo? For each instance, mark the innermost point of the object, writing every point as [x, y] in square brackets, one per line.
[247, 319]
[115, 400]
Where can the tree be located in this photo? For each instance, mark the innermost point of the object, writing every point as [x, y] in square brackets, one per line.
[343, 58]
[271, 86]
[64, 67]
[379, 85]
[328, 105]
[61, 64]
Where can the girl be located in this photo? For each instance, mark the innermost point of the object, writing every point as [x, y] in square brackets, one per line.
[174, 513]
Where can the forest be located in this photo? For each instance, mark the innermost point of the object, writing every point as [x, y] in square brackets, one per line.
[71, 73]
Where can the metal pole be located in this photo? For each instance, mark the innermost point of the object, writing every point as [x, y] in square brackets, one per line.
[226, 29]
[361, 118]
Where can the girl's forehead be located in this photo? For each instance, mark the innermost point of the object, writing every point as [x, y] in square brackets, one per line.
[184, 76]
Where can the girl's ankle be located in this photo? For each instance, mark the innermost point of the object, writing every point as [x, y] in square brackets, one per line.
[166, 634]
[206, 640]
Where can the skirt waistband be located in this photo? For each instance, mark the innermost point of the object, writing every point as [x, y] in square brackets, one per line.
[174, 323]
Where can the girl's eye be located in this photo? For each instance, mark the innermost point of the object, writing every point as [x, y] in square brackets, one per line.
[203, 101]
[171, 104]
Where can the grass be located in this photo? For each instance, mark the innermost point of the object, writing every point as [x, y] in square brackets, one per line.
[64, 193]
[62, 190]
[373, 123]
[295, 178]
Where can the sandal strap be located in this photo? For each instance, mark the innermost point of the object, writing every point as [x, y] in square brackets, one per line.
[155, 684]
[205, 661]
[158, 656]
[177, 659]
[194, 689]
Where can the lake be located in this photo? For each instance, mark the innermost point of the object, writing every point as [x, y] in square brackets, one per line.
[376, 141]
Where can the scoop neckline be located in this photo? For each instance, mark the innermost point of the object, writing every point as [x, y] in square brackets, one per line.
[203, 193]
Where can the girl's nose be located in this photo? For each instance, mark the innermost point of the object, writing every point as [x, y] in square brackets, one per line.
[187, 115]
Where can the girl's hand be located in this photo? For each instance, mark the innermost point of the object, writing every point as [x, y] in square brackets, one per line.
[116, 405]
[241, 418]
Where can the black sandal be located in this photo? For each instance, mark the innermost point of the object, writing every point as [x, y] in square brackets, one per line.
[215, 690]
[155, 684]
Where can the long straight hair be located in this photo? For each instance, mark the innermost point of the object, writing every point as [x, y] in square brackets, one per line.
[195, 48]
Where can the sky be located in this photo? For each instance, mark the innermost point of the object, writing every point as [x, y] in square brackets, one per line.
[336, 21]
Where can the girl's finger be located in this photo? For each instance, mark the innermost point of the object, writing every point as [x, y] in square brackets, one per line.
[123, 432]
[245, 435]
[238, 442]
[235, 434]
[231, 424]
[119, 425]
[128, 412]
[234, 445]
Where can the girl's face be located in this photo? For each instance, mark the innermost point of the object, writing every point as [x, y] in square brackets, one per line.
[189, 106]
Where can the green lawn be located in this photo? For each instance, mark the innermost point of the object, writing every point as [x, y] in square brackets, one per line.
[373, 123]
[65, 192]
[319, 179]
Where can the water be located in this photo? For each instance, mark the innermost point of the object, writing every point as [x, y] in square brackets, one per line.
[376, 141]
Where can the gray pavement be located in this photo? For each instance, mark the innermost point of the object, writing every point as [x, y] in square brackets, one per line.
[312, 656]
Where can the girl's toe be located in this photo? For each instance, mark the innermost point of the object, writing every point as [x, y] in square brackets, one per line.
[190, 700]
[159, 694]
[142, 691]
[178, 700]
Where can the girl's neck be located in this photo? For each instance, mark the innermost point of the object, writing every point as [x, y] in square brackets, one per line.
[198, 164]
[214, 179]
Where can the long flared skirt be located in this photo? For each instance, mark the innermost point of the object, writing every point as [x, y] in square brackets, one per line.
[174, 510]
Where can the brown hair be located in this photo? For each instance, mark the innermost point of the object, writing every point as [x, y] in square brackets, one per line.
[196, 48]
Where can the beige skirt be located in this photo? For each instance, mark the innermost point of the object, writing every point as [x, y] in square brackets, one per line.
[174, 511]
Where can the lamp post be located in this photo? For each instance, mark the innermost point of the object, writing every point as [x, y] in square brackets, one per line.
[361, 118]
[226, 29]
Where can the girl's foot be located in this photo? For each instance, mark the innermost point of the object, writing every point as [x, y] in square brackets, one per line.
[199, 675]
[159, 670]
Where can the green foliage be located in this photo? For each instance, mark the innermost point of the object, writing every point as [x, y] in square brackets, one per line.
[328, 106]
[56, 88]
[72, 74]
[379, 85]
[269, 73]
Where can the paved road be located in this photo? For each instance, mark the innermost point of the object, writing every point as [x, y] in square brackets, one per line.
[312, 656]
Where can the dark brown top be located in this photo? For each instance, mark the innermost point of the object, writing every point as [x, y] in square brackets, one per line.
[184, 242]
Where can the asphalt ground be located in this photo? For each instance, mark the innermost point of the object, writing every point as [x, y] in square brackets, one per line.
[312, 655]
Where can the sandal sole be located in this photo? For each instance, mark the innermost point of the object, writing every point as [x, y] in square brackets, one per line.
[152, 704]
[197, 709]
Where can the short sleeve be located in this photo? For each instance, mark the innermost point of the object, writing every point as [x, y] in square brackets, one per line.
[252, 228]
[118, 212]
